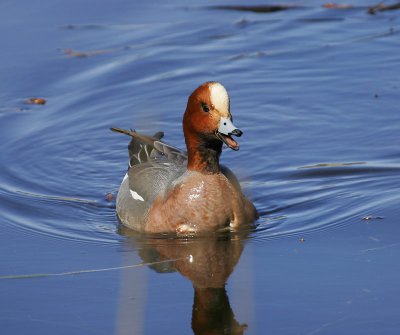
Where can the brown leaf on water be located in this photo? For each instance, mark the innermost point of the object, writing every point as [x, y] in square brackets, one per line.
[336, 6]
[85, 54]
[35, 101]
[109, 196]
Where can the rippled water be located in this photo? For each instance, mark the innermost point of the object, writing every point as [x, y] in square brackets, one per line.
[315, 91]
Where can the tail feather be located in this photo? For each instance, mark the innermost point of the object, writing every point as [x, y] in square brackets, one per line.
[143, 148]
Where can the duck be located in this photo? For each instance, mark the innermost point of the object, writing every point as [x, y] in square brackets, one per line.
[169, 190]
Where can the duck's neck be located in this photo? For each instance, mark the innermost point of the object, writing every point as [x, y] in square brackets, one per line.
[203, 154]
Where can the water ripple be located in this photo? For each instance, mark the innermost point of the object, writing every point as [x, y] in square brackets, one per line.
[56, 217]
[321, 197]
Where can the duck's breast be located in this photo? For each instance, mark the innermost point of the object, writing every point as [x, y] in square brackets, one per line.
[195, 202]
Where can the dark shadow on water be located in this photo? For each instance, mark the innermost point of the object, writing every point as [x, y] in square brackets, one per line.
[257, 9]
[207, 262]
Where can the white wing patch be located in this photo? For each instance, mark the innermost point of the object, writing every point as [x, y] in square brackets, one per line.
[136, 195]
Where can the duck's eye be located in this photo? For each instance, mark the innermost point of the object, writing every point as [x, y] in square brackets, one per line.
[205, 107]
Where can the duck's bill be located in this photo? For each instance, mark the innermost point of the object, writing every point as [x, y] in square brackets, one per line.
[228, 140]
[225, 131]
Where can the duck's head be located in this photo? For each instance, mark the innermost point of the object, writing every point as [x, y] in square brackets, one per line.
[208, 116]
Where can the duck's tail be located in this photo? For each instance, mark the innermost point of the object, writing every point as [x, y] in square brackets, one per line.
[143, 148]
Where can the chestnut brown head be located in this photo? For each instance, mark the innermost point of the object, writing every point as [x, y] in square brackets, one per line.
[208, 115]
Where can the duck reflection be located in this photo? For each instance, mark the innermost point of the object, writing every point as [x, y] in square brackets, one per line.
[207, 262]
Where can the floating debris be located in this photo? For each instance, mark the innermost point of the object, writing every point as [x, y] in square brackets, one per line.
[91, 53]
[331, 165]
[83, 26]
[381, 7]
[257, 9]
[109, 196]
[85, 54]
[36, 101]
[336, 6]
[86, 271]
[370, 217]
[329, 5]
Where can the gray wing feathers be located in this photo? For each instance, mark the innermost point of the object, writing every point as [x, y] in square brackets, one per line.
[144, 183]
[143, 148]
[151, 178]
[173, 154]
[140, 152]
[153, 166]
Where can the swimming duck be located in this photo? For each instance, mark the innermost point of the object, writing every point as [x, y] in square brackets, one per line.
[167, 190]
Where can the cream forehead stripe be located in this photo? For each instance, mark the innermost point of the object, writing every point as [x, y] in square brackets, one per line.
[219, 98]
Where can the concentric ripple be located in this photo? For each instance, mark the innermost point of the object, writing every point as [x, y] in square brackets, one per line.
[322, 197]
